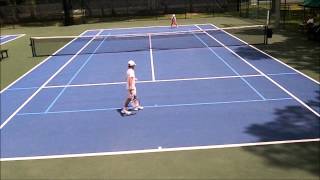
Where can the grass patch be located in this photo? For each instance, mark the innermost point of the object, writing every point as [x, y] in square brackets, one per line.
[257, 162]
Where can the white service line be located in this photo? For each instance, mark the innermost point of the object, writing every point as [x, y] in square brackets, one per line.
[157, 150]
[271, 57]
[151, 59]
[164, 80]
[44, 84]
[262, 73]
[154, 81]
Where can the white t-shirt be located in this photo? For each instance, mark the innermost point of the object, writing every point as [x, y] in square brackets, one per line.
[131, 74]
[173, 18]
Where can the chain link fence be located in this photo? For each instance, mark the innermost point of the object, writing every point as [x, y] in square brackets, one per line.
[85, 9]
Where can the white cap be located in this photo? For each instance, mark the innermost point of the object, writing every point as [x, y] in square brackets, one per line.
[131, 63]
[173, 15]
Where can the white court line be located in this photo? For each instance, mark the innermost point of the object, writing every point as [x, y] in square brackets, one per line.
[18, 36]
[4, 36]
[157, 150]
[270, 79]
[44, 84]
[281, 74]
[153, 81]
[164, 80]
[151, 59]
[32, 69]
[271, 57]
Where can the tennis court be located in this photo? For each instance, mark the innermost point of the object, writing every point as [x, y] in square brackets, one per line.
[200, 90]
[7, 38]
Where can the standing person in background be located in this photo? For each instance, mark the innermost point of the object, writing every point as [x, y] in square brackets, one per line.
[174, 21]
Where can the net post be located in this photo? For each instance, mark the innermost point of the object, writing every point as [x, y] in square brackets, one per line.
[32, 47]
[265, 34]
[212, 8]
[267, 27]
[185, 9]
[268, 17]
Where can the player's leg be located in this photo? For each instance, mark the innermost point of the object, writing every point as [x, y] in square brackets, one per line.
[135, 101]
[125, 108]
[126, 104]
[175, 23]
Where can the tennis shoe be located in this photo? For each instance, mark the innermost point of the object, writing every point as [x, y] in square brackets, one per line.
[138, 108]
[126, 112]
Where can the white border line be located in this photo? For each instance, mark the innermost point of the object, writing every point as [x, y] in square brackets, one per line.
[267, 77]
[158, 150]
[42, 62]
[271, 57]
[82, 34]
[153, 150]
[151, 59]
[45, 83]
[18, 36]
[4, 36]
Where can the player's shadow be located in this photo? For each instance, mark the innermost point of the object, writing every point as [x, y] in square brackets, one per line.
[291, 123]
[124, 115]
[120, 113]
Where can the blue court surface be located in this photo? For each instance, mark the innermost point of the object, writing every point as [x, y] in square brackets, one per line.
[193, 97]
[7, 38]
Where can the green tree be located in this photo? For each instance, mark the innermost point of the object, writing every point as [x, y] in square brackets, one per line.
[33, 8]
[67, 9]
[14, 10]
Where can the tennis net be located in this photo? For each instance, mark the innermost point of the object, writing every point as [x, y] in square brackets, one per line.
[70, 45]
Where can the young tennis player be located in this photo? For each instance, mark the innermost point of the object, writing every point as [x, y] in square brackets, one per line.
[174, 21]
[132, 91]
